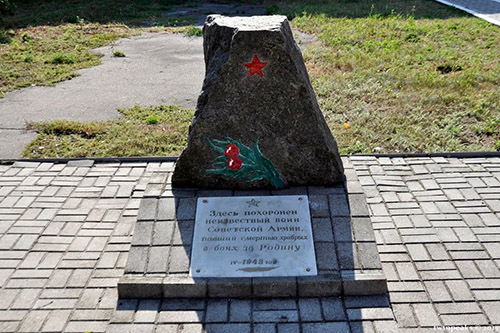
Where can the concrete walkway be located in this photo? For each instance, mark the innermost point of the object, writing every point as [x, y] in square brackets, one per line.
[488, 10]
[157, 69]
[65, 231]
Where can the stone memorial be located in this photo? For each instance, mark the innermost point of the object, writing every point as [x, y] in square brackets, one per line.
[257, 122]
[259, 204]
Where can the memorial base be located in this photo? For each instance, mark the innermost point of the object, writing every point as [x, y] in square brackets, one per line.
[346, 253]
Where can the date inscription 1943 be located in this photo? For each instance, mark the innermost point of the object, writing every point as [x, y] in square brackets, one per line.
[253, 236]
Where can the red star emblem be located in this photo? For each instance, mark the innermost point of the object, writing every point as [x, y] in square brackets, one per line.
[255, 66]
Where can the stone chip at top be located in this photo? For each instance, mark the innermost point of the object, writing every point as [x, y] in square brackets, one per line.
[257, 122]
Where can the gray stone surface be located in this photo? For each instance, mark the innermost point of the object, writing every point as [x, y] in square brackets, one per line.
[488, 10]
[275, 104]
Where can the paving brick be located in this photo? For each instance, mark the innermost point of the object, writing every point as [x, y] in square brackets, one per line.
[319, 206]
[147, 311]
[167, 328]
[404, 315]
[179, 259]
[437, 251]
[180, 316]
[338, 205]
[366, 301]
[108, 260]
[183, 232]
[457, 308]
[459, 290]
[362, 327]
[418, 252]
[310, 309]
[33, 321]
[166, 209]
[4, 275]
[491, 310]
[487, 295]
[464, 319]
[274, 304]
[227, 328]
[264, 328]
[325, 327]
[275, 316]
[386, 326]
[468, 269]
[89, 299]
[79, 278]
[369, 314]
[322, 230]
[217, 311]
[440, 275]
[325, 256]
[333, 309]
[125, 311]
[409, 297]
[426, 315]
[87, 326]
[240, 311]
[163, 232]
[25, 299]
[407, 272]
[158, 259]
[186, 209]
[147, 209]
[56, 321]
[288, 328]
[437, 291]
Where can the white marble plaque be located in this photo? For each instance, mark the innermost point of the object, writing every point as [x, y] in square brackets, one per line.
[252, 237]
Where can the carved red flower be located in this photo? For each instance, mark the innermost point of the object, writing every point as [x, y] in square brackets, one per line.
[232, 151]
[234, 163]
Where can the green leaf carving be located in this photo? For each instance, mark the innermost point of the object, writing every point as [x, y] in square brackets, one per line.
[249, 163]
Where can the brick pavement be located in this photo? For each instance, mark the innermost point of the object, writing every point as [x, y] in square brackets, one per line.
[488, 10]
[65, 230]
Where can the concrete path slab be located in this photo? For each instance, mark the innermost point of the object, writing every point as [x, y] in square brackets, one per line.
[157, 69]
[488, 10]
[13, 141]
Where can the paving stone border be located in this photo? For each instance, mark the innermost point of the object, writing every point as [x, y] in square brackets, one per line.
[346, 253]
[65, 232]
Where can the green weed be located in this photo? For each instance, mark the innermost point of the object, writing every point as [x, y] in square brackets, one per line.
[28, 57]
[75, 19]
[194, 31]
[45, 55]
[272, 9]
[152, 120]
[63, 58]
[118, 53]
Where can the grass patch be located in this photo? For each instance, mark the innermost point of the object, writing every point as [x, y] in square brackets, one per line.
[133, 134]
[405, 84]
[118, 53]
[194, 31]
[44, 42]
[46, 55]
